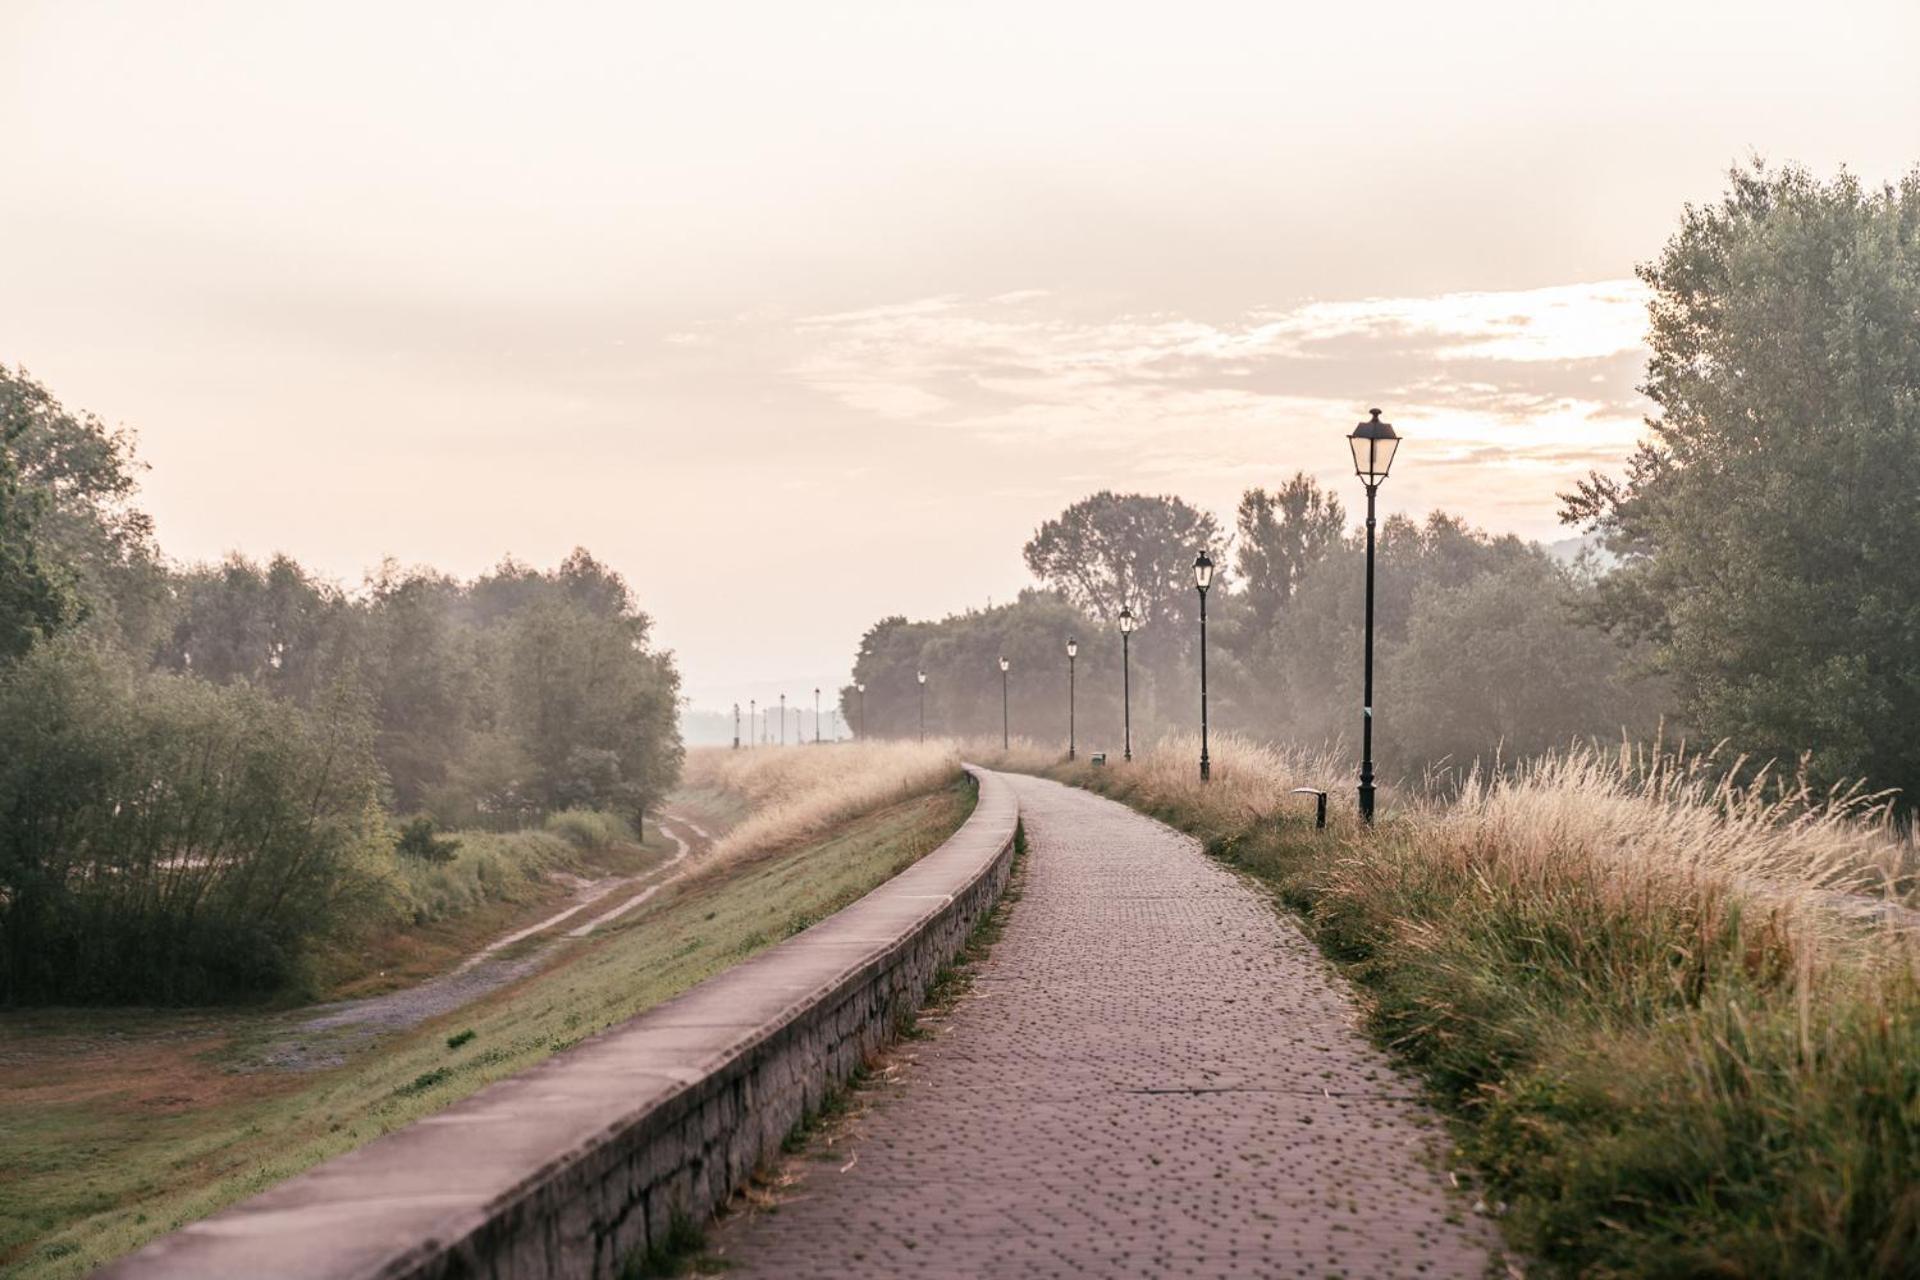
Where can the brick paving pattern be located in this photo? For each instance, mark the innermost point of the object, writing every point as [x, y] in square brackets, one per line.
[1153, 1075]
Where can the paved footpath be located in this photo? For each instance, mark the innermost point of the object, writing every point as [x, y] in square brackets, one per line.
[1154, 1074]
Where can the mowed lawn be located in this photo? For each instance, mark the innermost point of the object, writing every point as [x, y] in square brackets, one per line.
[119, 1126]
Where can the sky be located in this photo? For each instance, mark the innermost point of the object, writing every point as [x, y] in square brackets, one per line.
[802, 314]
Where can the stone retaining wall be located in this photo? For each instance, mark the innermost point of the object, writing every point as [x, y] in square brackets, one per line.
[580, 1163]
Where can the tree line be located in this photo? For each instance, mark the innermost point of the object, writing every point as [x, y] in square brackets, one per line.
[206, 770]
[1751, 579]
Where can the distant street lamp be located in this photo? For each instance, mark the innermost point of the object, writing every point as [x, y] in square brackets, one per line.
[1126, 676]
[921, 676]
[783, 719]
[1073, 651]
[816, 715]
[1203, 578]
[861, 689]
[1004, 740]
[736, 726]
[1373, 443]
[753, 722]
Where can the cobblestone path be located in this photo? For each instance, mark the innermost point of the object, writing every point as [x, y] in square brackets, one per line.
[1153, 1075]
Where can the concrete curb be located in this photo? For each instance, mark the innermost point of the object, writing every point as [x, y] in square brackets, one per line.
[576, 1165]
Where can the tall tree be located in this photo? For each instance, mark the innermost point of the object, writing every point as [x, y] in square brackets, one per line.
[84, 476]
[1767, 522]
[33, 602]
[1283, 535]
[1115, 549]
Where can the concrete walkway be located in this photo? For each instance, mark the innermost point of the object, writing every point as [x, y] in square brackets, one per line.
[1153, 1075]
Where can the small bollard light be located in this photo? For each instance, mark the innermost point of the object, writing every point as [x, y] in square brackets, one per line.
[1320, 805]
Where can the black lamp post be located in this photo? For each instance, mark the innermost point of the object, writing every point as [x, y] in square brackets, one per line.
[1203, 578]
[1126, 677]
[753, 722]
[1004, 740]
[783, 719]
[736, 726]
[861, 689]
[1373, 443]
[816, 715]
[1073, 651]
[921, 676]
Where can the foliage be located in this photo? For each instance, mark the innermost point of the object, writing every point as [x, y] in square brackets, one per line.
[165, 839]
[1766, 524]
[1130, 549]
[83, 475]
[33, 600]
[417, 840]
[1483, 646]
[488, 867]
[961, 655]
[589, 829]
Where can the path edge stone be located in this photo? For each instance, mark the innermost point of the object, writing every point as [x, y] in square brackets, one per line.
[585, 1160]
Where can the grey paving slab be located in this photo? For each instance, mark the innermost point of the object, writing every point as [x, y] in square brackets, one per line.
[1154, 1075]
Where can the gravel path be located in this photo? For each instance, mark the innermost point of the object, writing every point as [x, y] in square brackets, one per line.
[1154, 1074]
[325, 1035]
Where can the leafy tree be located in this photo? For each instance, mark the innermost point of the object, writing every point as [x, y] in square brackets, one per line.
[164, 838]
[593, 706]
[272, 625]
[84, 477]
[418, 655]
[1766, 524]
[1283, 536]
[1501, 665]
[961, 655]
[33, 601]
[1128, 549]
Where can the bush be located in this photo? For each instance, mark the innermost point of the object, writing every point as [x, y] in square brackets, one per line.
[417, 840]
[589, 829]
[492, 867]
[165, 839]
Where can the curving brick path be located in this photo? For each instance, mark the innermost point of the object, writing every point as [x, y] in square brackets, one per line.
[1154, 1074]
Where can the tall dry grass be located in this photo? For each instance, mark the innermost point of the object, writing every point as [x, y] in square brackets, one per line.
[791, 794]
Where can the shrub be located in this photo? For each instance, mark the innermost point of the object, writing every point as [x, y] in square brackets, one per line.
[165, 839]
[417, 840]
[589, 829]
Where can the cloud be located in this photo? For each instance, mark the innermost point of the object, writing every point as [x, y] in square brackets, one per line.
[1511, 393]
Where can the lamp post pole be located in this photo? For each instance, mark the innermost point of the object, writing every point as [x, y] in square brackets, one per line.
[783, 719]
[736, 726]
[1203, 578]
[1373, 443]
[1004, 739]
[921, 676]
[753, 721]
[1126, 678]
[816, 715]
[1073, 651]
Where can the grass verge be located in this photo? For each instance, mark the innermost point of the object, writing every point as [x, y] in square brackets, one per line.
[92, 1163]
[1660, 1069]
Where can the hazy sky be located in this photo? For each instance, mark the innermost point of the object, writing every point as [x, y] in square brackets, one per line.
[804, 313]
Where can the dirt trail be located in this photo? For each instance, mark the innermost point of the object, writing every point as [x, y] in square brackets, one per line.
[324, 1035]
